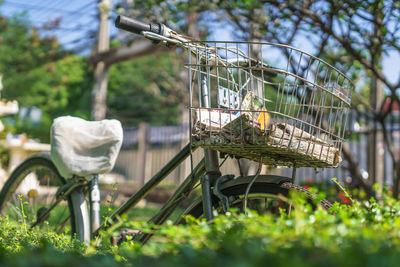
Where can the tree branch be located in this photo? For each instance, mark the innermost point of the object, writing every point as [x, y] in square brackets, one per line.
[316, 19]
[138, 49]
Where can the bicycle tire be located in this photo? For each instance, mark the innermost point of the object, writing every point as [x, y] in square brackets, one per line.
[34, 182]
[259, 189]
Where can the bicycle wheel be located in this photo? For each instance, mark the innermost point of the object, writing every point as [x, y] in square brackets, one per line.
[31, 190]
[263, 197]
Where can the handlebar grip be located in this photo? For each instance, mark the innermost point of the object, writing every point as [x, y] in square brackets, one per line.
[136, 26]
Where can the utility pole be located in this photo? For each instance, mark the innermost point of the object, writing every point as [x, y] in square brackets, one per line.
[99, 93]
[376, 143]
[376, 161]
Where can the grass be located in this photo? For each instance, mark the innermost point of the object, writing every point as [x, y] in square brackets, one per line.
[366, 233]
[136, 213]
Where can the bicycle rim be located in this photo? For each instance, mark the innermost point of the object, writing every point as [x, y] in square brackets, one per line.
[31, 190]
[262, 198]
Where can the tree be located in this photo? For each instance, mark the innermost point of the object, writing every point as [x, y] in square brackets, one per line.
[365, 30]
[142, 90]
[352, 35]
[39, 72]
[175, 83]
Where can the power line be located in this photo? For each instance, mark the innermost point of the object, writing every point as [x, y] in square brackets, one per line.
[73, 29]
[75, 13]
[58, 28]
[71, 16]
[43, 7]
[46, 13]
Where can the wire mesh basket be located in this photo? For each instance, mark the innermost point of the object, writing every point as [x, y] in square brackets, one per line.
[270, 101]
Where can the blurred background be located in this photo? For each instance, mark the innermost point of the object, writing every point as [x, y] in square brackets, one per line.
[62, 57]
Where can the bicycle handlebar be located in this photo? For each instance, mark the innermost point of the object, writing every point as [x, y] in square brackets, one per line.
[159, 32]
[136, 26]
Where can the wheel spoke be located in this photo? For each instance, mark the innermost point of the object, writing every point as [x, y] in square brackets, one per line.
[62, 226]
[37, 180]
[262, 194]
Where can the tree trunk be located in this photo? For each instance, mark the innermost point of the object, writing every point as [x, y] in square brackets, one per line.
[355, 169]
[376, 151]
[396, 178]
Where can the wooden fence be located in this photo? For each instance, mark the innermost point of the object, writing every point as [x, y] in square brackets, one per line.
[146, 149]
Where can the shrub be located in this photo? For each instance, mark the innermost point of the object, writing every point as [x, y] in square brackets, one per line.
[363, 234]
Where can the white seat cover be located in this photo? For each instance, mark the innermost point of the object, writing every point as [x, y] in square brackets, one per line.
[83, 148]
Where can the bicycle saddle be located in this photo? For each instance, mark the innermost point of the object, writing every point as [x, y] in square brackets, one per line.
[84, 148]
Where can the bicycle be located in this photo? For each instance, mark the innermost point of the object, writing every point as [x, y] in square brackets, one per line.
[240, 106]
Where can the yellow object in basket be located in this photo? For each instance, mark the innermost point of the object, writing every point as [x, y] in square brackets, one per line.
[263, 118]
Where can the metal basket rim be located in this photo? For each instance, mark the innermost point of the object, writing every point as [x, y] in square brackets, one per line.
[281, 46]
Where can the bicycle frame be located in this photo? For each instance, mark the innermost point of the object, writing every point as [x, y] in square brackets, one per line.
[208, 166]
[211, 160]
[180, 194]
[207, 172]
[160, 217]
